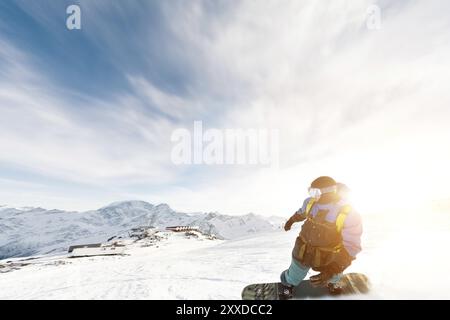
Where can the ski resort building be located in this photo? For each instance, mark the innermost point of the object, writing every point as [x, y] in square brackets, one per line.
[182, 228]
[95, 249]
[84, 246]
[142, 232]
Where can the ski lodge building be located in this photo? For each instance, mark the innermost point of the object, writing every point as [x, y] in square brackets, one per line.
[182, 228]
[95, 249]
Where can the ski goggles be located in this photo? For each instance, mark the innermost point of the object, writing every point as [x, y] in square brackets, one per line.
[316, 192]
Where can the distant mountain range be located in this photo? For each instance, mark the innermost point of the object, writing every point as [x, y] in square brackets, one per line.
[30, 231]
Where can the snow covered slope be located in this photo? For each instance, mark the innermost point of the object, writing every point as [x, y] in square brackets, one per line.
[181, 268]
[28, 231]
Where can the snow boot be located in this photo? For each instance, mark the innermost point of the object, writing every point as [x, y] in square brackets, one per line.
[286, 292]
[334, 289]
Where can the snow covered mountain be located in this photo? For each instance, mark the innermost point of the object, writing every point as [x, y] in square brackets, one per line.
[29, 231]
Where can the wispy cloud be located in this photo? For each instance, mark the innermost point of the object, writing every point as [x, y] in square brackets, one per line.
[95, 108]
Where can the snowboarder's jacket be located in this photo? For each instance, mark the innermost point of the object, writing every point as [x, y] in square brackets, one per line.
[331, 231]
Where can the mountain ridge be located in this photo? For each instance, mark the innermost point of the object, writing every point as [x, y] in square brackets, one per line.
[29, 231]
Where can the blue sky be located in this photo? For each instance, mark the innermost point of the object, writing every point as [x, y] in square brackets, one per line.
[87, 115]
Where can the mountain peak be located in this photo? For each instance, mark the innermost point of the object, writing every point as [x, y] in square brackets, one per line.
[129, 204]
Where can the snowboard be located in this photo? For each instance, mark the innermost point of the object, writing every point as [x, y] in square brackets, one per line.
[351, 283]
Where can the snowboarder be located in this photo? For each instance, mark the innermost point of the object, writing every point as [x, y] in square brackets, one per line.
[329, 240]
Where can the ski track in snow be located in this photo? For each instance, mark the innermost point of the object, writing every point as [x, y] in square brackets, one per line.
[203, 269]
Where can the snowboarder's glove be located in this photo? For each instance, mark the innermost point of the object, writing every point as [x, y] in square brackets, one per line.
[295, 218]
[289, 224]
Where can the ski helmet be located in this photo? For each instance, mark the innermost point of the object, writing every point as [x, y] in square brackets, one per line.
[323, 182]
[321, 186]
